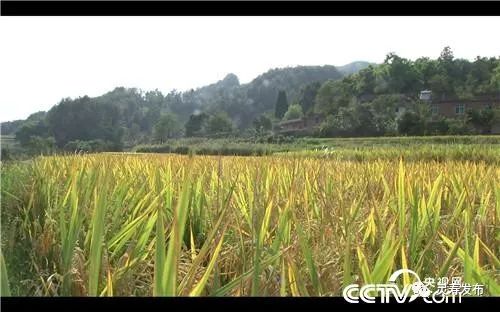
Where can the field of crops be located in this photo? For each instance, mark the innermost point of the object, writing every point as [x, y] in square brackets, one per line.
[151, 224]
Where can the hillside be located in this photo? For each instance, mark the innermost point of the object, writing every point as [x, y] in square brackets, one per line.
[353, 67]
[245, 102]
[133, 112]
[364, 103]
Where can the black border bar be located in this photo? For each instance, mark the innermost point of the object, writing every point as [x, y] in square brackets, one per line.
[248, 8]
[240, 304]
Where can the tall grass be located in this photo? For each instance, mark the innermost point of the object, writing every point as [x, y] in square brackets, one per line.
[4, 284]
[169, 225]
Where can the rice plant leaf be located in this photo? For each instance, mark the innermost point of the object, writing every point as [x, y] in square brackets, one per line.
[363, 266]
[404, 265]
[451, 254]
[176, 240]
[476, 275]
[306, 250]
[219, 226]
[197, 290]
[490, 253]
[96, 245]
[226, 289]
[109, 284]
[476, 260]
[4, 286]
[401, 197]
[159, 266]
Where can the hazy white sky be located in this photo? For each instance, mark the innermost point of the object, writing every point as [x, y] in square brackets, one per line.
[43, 59]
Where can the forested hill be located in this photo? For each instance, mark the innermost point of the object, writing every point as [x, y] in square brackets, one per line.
[132, 113]
[244, 102]
[263, 90]
[354, 100]
[353, 67]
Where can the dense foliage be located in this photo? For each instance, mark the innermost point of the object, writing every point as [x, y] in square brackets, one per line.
[367, 102]
[172, 225]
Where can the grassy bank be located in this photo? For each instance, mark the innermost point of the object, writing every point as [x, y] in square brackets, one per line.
[439, 148]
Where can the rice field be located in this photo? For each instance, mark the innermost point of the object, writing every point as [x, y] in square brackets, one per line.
[281, 225]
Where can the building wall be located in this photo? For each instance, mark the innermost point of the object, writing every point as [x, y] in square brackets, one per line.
[444, 108]
[296, 125]
[447, 109]
[306, 123]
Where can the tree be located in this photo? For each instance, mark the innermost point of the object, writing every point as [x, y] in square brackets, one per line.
[424, 113]
[333, 95]
[366, 81]
[11, 127]
[307, 96]
[446, 55]
[154, 98]
[41, 145]
[425, 68]
[384, 112]
[495, 78]
[166, 127]
[196, 124]
[181, 104]
[352, 121]
[328, 126]
[439, 126]
[294, 112]
[29, 130]
[219, 123]
[263, 123]
[403, 77]
[88, 118]
[281, 105]
[482, 120]
[447, 71]
[411, 123]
